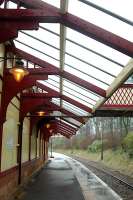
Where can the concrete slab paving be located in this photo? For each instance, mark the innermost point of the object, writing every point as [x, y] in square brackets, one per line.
[55, 182]
[64, 178]
[92, 187]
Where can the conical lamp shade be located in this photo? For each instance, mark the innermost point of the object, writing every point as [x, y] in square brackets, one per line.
[19, 71]
[47, 125]
[41, 113]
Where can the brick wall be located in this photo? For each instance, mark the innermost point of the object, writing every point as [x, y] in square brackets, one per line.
[9, 178]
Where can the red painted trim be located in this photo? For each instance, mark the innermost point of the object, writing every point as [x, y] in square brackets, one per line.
[66, 128]
[18, 25]
[60, 123]
[66, 75]
[52, 15]
[118, 106]
[32, 4]
[127, 86]
[8, 171]
[65, 131]
[71, 123]
[84, 84]
[48, 68]
[7, 34]
[41, 95]
[30, 104]
[31, 15]
[72, 101]
[15, 168]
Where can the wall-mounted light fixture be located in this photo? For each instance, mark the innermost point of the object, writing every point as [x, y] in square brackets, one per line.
[47, 125]
[41, 113]
[18, 71]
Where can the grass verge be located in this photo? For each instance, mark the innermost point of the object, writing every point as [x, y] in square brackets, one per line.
[116, 160]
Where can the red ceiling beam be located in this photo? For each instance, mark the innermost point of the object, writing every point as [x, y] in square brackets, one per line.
[38, 4]
[40, 15]
[27, 105]
[59, 125]
[116, 106]
[77, 24]
[39, 71]
[71, 123]
[19, 25]
[76, 117]
[66, 130]
[48, 107]
[65, 125]
[65, 98]
[49, 68]
[7, 34]
[65, 74]
[99, 34]
[84, 84]
[40, 95]
[127, 86]
[76, 103]
[56, 107]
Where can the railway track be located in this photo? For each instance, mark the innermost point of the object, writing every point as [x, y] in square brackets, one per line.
[123, 187]
[115, 177]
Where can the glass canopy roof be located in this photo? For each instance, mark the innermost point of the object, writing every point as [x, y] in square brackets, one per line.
[87, 59]
[101, 19]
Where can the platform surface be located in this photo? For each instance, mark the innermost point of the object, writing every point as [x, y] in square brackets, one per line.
[63, 178]
[55, 182]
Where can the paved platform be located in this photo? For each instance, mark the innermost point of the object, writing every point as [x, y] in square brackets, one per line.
[63, 178]
[55, 182]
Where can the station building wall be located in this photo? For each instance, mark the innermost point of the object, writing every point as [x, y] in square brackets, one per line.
[32, 146]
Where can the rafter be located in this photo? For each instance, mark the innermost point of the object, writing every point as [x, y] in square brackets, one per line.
[48, 13]
[41, 95]
[65, 74]
[59, 122]
[76, 103]
[75, 125]
[65, 131]
[7, 34]
[65, 126]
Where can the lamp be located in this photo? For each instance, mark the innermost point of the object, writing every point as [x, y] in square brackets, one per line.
[47, 125]
[41, 113]
[18, 71]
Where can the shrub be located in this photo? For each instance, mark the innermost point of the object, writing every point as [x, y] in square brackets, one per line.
[96, 146]
[128, 144]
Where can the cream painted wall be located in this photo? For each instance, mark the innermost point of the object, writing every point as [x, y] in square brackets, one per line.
[33, 144]
[25, 140]
[38, 143]
[10, 136]
[2, 51]
[41, 147]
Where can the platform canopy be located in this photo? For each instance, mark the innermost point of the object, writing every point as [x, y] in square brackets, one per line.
[88, 45]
